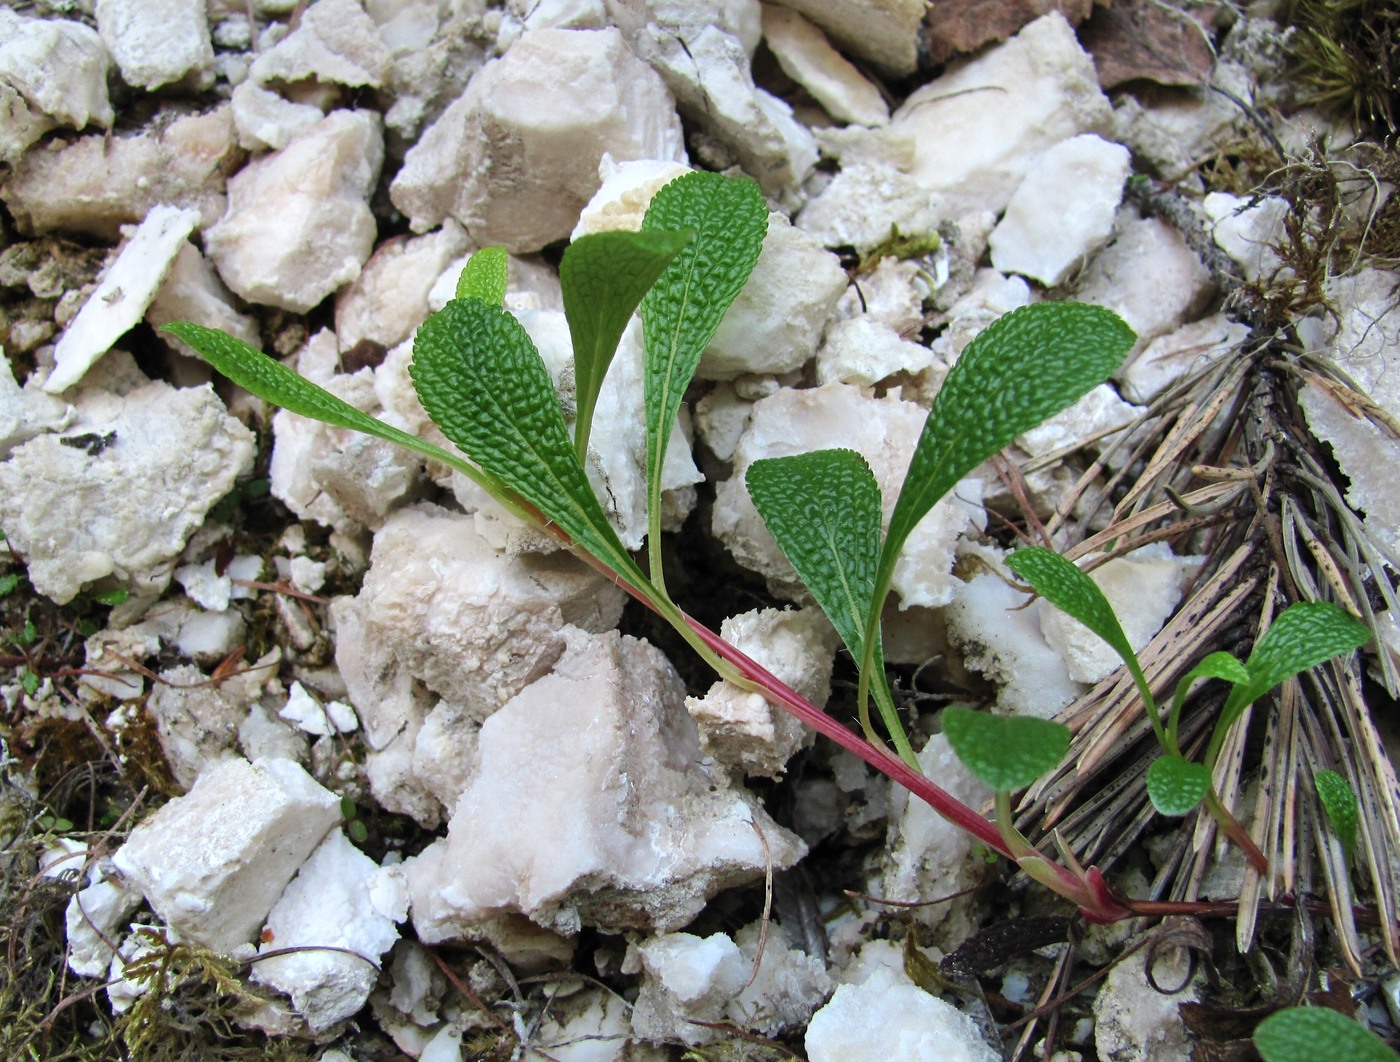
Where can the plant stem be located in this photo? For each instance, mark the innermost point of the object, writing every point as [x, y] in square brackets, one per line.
[1236, 832]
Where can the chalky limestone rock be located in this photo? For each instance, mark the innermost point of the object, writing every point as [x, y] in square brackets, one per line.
[807, 57]
[120, 492]
[516, 157]
[1364, 346]
[443, 615]
[126, 291]
[591, 806]
[705, 54]
[334, 42]
[880, 1013]
[298, 224]
[741, 729]
[1062, 211]
[1002, 109]
[1137, 1022]
[340, 898]
[157, 42]
[213, 862]
[690, 979]
[53, 72]
[96, 184]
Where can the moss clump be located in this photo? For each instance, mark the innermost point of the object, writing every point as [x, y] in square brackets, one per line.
[1346, 54]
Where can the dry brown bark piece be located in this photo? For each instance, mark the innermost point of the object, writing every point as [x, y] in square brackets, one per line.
[953, 26]
[1145, 39]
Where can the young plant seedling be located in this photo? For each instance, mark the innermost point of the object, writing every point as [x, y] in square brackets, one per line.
[1304, 635]
[482, 382]
[1306, 1034]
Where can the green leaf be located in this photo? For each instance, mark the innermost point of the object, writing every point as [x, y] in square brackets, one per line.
[604, 277]
[481, 379]
[1304, 635]
[1339, 802]
[8, 583]
[485, 276]
[823, 508]
[273, 382]
[1005, 752]
[1021, 369]
[1070, 590]
[684, 307]
[1307, 1034]
[1220, 665]
[1176, 785]
[111, 597]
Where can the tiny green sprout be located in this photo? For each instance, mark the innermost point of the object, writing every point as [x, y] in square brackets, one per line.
[1307, 1034]
[8, 582]
[54, 823]
[29, 681]
[28, 633]
[110, 597]
[354, 825]
[1302, 636]
[1338, 801]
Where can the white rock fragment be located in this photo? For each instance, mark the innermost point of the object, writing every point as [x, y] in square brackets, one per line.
[1062, 211]
[124, 294]
[632, 831]
[205, 586]
[516, 157]
[884, 431]
[928, 857]
[1000, 637]
[335, 42]
[687, 979]
[720, 419]
[91, 919]
[590, 1026]
[96, 184]
[265, 121]
[888, 1016]
[1364, 346]
[441, 613]
[327, 905]
[27, 411]
[213, 862]
[197, 722]
[52, 72]
[776, 322]
[208, 637]
[883, 31]
[298, 224]
[1248, 230]
[1003, 109]
[338, 477]
[1097, 415]
[621, 201]
[124, 493]
[868, 202]
[806, 56]
[193, 292]
[1133, 1021]
[1143, 588]
[306, 713]
[704, 54]
[389, 299]
[157, 42]
[1173, 130]
[862, 351]
[741, 729]
[1168, 358]
[1149, 277]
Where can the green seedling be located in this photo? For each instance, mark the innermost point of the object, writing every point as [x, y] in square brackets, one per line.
[355, 827]
[1304, 635]
[1338, 802]
[1306, 1034]
[482, 382]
